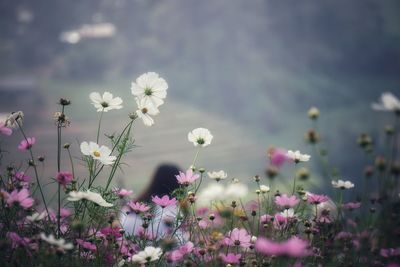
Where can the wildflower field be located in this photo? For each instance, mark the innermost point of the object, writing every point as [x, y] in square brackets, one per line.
[211, 219]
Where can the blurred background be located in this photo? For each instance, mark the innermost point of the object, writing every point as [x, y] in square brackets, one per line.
[246, 70]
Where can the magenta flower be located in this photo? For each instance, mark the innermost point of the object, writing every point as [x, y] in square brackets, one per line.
[4, 129]
[316, 199]
[110, 231]
[280, 221]
[278, 157]
[27, 143]
[137, 207]
[20, 197]
[188, 178]
[22, 177]
[266, 218]
[286, 202]
[64, 178]
[230, 258]
[165, 201]
[351, 206]
[293, 247]
[239, 237]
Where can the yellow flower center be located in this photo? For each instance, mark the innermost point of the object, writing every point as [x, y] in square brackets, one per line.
[96, 154]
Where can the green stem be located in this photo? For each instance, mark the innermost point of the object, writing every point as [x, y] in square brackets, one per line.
[35, 170]
[98, 128]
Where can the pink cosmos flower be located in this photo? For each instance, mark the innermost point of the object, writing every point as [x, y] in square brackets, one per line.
[278, 157]
[17, 240]
[165, 201]
[188, 178]
[286, 202]
[266, 218]
[110, 231]
[64, 178]
[293, 247]
[178, 254]
[351, 205]
[316, 199]
[20, 197]
[27, 143]
[238, 237]
[22, 177]
[230, 258]
[86, 245]
[4, 129]
[121, 192]
[280, 221]
[137, 207]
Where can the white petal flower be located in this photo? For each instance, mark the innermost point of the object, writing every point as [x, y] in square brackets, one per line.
[388, 102]
[313, 113]
[200, 137]
[151, 88]
[212, 192]
[296, 156]
[217, 176]
[236, 191]
[106, 102]
[264, 189]
[147, 255]
[89, 195]
[36, 216]
[59, 243]
[288, 213]
[100, 153]
[145, 111]
[342, 184]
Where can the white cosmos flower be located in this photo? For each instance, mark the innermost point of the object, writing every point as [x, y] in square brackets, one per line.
[217, 176]
[36, 216]
[200, 137]
[145, 111]
[100, 153]
[296, 156]
[264, 189]
[106, 102]
[342, 184]
[147, 255]
[59, 243]
[88, 195]
[388, 102]
[288, 213]
[212, 192]
[236, 191]
[151, 88]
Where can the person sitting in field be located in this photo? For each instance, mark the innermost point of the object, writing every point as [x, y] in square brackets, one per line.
[142, 216]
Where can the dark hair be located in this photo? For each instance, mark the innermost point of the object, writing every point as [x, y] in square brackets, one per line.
[163, 183]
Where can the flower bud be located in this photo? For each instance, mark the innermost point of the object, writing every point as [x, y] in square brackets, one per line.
[313, 113]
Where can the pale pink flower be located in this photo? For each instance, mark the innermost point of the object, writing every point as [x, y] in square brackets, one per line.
[121, 192]
[239, 237]
[20, 197]
[230, 258]
[293, 247]
[165, 201]
[27, 143]
[137, 207]
[187, 178]
[351, 205]
[286, 202]
[316, 199]
[4, 129]
[64, 178]
[21, 176]
[280, 221]
[86, 245]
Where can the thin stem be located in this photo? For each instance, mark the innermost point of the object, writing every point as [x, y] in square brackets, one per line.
[195, 157]
[35, 170]
[98, 128]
